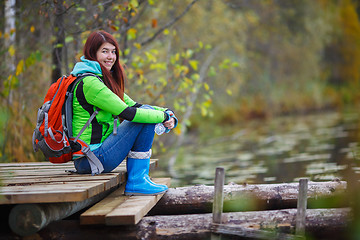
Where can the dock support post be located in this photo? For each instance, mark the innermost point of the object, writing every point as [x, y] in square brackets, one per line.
[218, 199]
[301, 207]
[218, 194]
[27, 219]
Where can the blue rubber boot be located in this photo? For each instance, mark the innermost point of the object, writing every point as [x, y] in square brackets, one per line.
[139, 182]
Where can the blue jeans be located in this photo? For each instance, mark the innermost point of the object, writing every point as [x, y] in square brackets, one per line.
[137, 137]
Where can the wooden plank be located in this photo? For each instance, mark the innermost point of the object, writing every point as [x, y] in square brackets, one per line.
[35, 166]
[21, 180]
[96, 214]
[153, 164]
[51, 192]
[43, 197]
[134, 208]
[50, 186]
[44, 182]
[16, 164]
[18, 173]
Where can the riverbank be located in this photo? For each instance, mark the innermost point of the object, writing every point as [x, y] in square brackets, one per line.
[319, 146]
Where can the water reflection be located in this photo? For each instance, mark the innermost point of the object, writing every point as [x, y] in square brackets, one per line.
[320, 147]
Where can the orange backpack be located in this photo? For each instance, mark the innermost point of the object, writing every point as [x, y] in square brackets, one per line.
[53, 131]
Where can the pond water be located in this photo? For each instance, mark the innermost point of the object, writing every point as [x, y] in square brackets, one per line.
[322, 147]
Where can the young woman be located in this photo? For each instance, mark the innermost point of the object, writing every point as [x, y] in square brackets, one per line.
[135, 134]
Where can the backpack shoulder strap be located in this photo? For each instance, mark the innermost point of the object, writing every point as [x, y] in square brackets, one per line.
[69, 101]
[81, 77]
[88, 122]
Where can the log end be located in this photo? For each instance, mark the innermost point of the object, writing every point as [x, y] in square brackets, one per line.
[26, 219]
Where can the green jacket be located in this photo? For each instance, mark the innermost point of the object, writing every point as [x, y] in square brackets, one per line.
[91, 93]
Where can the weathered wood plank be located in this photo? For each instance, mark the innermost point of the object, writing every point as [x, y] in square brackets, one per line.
[46, 182]
[24, 164]
[34, 167]
[18, 173]
[25, 180]
[51, 192]
[53, 186]
[134, 208]
[96, 214]
[38, 197]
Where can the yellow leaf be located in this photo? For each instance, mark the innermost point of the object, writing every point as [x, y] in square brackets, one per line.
[19, 68]
[177, 130]
[137, 45]
[11, 50]
[139, 72]
[229, 92]
[194, 64]
[166, 31]
[32, 28]
[201, 45]
[185, 69]
[206, 86]
[203, 111]
[132, 33]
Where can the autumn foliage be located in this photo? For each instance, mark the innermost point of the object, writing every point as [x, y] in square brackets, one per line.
[222, 62]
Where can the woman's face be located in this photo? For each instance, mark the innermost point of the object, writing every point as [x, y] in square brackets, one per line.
[106, 55]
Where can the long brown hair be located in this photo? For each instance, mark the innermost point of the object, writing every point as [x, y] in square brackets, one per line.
[115, 78]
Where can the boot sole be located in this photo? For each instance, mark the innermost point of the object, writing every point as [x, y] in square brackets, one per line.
[143, 194]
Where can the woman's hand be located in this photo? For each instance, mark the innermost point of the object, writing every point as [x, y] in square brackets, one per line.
[170, 123]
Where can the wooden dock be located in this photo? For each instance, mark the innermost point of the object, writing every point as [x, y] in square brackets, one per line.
[47, 192]
[41, 199]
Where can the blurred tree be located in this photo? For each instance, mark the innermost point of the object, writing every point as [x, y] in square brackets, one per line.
[59, 34]
[269, 56]
[343, 53]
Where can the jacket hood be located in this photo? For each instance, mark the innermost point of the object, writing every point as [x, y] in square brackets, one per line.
[86, 66]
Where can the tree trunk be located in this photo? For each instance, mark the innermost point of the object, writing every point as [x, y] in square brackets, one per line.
[199, 199]
[10, 31]
[59, 33]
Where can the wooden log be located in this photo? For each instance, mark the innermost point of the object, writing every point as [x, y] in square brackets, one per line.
[27, 219]
[252, 233]
[198, 226]
[199, 199]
